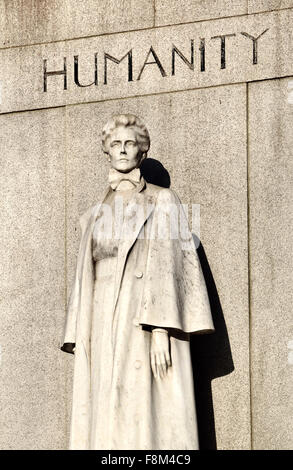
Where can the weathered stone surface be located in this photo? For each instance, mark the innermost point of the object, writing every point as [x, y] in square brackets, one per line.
[53, 169]
[186, 11]
[204, 151]
[271, 248]
[99, 17]
[33, 392]
[31, 22]
[22, 70]
[255, 6]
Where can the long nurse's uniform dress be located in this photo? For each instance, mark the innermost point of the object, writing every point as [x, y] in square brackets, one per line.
[113, 424]
[117, 402]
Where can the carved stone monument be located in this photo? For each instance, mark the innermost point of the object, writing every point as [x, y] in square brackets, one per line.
[138, 294]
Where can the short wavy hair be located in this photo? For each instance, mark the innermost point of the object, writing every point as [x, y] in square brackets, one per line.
[127, 120]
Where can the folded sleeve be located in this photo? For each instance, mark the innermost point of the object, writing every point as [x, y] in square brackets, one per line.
[69, 333]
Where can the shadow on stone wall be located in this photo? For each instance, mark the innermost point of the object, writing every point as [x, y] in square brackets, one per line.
[155, 173]
[211, 357]
[210, 354]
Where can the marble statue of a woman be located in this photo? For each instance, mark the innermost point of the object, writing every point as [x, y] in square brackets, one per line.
[138, 294]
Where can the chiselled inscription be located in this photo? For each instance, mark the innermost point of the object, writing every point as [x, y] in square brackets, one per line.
[196, 61]
[151, 61]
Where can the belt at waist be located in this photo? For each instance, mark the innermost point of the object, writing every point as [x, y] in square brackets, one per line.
[105, 269]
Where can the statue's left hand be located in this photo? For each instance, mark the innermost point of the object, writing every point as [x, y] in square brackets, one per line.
[160, 356]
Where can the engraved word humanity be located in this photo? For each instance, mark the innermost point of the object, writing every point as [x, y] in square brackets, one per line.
[150, 61]
[193, 56]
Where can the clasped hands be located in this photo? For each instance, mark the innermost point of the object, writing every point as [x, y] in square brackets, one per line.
[160, 355]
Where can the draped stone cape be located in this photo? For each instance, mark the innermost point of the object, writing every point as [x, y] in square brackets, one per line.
[168, 283]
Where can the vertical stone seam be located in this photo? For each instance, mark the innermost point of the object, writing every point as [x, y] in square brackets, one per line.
[249, 263]
[154, 7]
[65, 211]
[65, 264]
[67, 417]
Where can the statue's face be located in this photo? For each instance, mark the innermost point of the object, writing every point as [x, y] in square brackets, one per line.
[124, 152]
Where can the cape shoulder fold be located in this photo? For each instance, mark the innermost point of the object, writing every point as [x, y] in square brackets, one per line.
[175, 294]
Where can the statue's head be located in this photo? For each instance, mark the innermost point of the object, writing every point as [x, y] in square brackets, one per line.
[125, 139]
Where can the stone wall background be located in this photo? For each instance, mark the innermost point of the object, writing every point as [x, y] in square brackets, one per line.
[227, 147]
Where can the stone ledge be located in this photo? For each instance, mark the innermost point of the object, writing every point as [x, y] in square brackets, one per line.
[34, 22]
[255, 6]
[186, 11]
